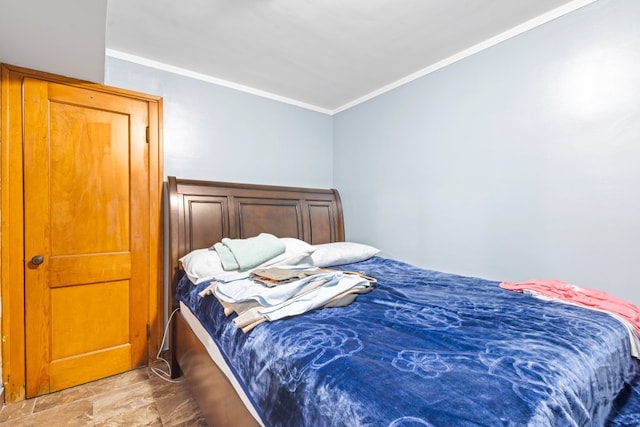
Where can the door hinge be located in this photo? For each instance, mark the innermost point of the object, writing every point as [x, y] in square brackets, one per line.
[148, 331]
[147, 134]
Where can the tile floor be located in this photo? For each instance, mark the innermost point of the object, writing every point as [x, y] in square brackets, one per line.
[135, 398]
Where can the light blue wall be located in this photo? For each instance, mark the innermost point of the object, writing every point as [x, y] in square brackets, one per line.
[519, 162]
[216, 133]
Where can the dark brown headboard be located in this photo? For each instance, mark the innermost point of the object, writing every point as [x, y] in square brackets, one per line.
[201, 213]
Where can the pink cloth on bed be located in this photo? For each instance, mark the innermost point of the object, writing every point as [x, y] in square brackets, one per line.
[586, 297]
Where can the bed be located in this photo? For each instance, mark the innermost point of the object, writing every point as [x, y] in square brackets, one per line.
[424, 348]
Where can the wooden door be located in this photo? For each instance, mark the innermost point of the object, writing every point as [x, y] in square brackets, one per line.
[86, 234]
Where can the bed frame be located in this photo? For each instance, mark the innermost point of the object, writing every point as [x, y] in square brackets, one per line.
[202, 213]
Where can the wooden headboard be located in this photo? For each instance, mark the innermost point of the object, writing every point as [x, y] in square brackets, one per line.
[201, 213]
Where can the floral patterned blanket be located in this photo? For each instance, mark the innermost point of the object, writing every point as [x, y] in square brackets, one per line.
[426, 348]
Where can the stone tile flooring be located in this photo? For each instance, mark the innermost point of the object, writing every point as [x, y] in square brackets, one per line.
[134, 398]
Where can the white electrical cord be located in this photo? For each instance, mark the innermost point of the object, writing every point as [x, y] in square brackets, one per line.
[165, 375]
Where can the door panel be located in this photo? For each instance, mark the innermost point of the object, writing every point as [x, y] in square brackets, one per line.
[105, 308]
[86, 181]
[100, 205]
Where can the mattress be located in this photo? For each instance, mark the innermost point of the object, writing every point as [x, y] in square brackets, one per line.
[429, 348]
[217, 356]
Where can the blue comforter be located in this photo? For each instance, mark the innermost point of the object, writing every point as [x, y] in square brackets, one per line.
[432, 349]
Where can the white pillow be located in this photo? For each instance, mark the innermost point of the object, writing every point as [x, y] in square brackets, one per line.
[338, 253]
[296, 250]
[201, 265]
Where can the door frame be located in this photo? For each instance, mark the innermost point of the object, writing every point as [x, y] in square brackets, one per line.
[12, 220]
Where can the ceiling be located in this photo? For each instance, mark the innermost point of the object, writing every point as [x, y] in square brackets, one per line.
[324, 55]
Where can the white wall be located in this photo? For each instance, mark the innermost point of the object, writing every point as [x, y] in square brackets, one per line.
[65, 37]
[519, 162]
[216, 133]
